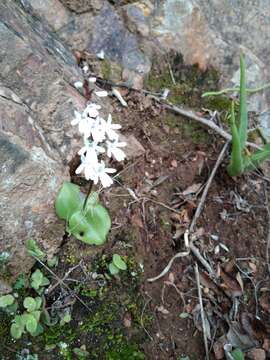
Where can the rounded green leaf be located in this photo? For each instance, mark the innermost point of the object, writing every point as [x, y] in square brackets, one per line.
[6, 300]
[29, 303]
[68, 200]
[113, 269]
[119, 262]
[16, 331]
[38, 301]
[90, 226]
[31, 323]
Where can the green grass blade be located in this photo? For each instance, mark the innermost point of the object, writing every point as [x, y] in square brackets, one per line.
[236, 162]
[253, 161]
[243, 121]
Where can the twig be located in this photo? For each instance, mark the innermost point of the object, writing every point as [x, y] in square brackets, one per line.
[191, 115]
[142, 323]
[178, 255]
[199, 209]
[52, 287]
[268, 235]
[197, 276]
[207, 186]
[62, 282]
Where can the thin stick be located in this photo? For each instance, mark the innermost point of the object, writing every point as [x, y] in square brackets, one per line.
[62, 282]
[197, 276]
[268, 235]
[207, 186]
[178, 255]
[209, 123]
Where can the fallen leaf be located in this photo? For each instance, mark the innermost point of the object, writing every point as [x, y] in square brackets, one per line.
[230, 285]
[127, 321]
[256, 354]
[163, 310]
[136, 220]
[240, 281]
[174, 163]
[171, 277]
[252, 266]
[193, 189]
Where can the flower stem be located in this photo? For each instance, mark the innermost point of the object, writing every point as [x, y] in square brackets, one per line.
[88, 193]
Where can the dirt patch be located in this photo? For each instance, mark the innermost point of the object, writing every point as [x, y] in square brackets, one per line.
[152, 204]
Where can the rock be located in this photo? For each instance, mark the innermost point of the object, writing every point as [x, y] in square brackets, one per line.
[133, 148]
[37, 100]
[256, 354]
[82, 6]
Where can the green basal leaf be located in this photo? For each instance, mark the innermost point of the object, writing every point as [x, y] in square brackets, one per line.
[29, 303]
[237, 354]
[113, 269]
[31, 323]
[6, 300]
[91, 225]
[16, 331]
[119, 262]
[68, 200]
[253, 161]
[34, 250]
[236, 162]
[81, 352]
[243, 120]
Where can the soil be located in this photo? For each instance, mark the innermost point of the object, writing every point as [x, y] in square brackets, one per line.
[151, 204]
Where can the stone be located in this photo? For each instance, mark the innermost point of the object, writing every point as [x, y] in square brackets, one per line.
[37, 101]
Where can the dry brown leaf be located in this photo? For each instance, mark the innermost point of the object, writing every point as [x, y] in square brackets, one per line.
[136, 220]
[240, 281]
[252, 266]
[193, 189]
[171, 277]
[174, 163]
[256, 354]
[230, 285]
[163, 310]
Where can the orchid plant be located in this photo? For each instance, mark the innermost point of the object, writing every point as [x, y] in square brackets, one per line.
[86, 218]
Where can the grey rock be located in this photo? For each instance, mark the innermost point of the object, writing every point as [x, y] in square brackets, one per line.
[37, 100]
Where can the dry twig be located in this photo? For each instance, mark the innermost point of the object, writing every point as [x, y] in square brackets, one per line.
[197, 276]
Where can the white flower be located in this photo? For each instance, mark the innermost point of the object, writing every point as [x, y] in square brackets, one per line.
[113, 149]
[92, 110]
[97, 131]
[78, 118]
[101, 93]
[91, 149]
[78, 84]
[88, 166]
[101, 173]
[85, 68]
[101, 55]
[92, 79]
[109, 128]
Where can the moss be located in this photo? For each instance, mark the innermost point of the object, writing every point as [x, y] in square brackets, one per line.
[188, 82]
[106, 69]
[219, 103]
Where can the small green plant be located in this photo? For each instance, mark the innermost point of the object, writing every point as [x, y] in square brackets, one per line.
[39, 281]
[238, 354]
[88, 222]
[117, 264]
[29, 320]
[241, 160]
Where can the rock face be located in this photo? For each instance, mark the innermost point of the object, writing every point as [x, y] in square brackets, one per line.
[210, 33]
[36, 106]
